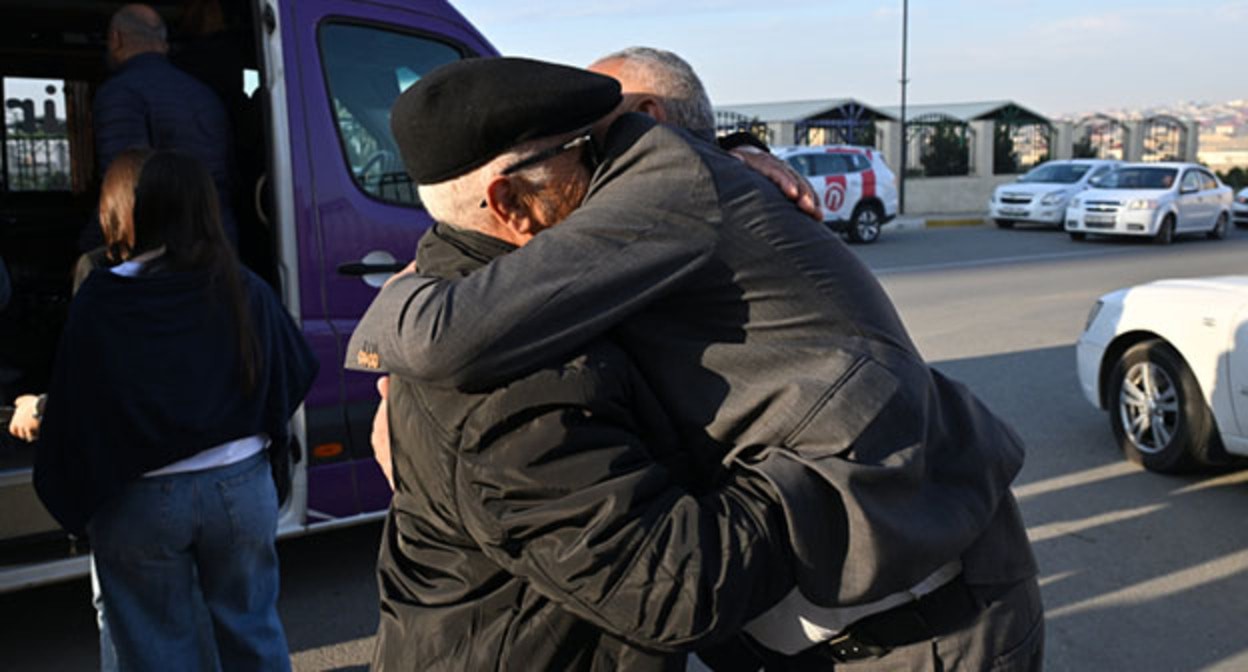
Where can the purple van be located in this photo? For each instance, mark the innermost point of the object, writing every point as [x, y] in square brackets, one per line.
[325, 209]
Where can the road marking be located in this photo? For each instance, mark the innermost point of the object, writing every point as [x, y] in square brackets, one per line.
[972, 263]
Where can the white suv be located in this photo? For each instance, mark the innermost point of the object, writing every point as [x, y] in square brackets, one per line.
[856, 187]
[1041, 195]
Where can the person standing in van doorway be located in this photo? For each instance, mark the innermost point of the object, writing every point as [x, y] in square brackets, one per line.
[148, 102]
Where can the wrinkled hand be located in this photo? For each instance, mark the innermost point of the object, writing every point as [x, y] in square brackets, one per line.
[381, 432]
[25, 422]
[411, 268]
[791, 184]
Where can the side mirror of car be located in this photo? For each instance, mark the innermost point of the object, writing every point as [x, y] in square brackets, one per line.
[1188, 190]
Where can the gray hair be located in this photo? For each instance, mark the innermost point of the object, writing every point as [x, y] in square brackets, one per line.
[136, 22]
[670, 78]
[457, 201]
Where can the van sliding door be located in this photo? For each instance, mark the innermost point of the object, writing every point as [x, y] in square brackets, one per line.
[354, 206]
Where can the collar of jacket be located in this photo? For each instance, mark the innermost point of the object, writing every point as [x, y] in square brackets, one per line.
[449, 252]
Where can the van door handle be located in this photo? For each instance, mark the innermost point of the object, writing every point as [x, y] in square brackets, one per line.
[374, 269]
[358, 268]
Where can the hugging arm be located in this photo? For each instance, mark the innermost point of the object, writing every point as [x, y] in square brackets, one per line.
[650, 221]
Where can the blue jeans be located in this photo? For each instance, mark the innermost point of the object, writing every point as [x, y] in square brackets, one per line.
[161, 537]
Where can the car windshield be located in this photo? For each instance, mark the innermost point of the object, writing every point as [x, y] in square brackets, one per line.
[1059, 173]
[1137, 178]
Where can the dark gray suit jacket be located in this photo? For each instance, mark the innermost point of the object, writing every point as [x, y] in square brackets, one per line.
[768, 342]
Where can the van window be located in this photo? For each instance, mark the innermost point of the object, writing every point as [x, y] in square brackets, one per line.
[366, 68]
[36, 141]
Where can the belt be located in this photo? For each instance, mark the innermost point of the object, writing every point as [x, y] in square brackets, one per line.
[935, 614]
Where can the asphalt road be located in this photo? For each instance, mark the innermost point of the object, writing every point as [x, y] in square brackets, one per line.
[1139, 571]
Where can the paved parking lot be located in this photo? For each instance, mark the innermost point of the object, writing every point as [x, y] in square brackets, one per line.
[1139, 571]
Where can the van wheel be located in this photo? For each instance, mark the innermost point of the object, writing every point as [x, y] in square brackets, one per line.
[865, 225]
[1157, 412]
[1219, 230]
[1165, 234]
[1004, 224]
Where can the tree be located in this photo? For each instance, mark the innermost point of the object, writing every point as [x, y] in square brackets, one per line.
[945, 151]
[1235, 178]
[1004, 158]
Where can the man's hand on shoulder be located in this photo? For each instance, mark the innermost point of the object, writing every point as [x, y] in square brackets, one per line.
[790, 183]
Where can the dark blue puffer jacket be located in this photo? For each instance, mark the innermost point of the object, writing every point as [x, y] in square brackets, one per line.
[149, 102]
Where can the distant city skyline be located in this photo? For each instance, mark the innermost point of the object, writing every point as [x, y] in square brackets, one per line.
[1058, 57]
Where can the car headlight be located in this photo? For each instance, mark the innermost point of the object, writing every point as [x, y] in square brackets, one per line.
[1142, 204]
[1074, 202]
[1243, 198]
[1054, 198]
[1096, 310]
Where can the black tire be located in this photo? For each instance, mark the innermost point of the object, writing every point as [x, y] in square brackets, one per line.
[1165, 234]
[1173, 428]
[1004, 223]
[1218, 232]
[864, 226]
[1077, 235]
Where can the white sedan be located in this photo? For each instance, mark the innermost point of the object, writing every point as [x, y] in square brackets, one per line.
[1240, 208]
[1158, 200]
[1042, 194]
[1168, 361]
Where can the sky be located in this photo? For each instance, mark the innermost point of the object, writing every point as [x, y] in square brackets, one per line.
[1057, 57]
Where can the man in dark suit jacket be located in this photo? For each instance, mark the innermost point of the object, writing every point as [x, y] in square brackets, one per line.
[771, 346]
[148, 102]
[554, 523]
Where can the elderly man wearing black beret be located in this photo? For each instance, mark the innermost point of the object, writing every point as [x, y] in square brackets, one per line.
[556, 522]
[771, 348]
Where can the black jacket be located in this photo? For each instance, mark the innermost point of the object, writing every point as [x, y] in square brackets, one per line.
[147, 374]
[555, 523]
[768, 342]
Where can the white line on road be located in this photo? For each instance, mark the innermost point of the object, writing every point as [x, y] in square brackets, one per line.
[972, 263]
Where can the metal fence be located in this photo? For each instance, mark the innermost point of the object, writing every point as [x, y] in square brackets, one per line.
[1165, 138]
[1100, 137]
[939, 146]
[36, 162]
[1017, 148]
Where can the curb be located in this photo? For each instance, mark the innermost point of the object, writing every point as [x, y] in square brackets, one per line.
[921, 222]
[941, 223]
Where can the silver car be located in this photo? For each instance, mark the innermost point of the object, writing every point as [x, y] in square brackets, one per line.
[1157, 200]
[1041, 195]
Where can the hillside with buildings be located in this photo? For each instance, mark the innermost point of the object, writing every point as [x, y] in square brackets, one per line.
[1223, 127]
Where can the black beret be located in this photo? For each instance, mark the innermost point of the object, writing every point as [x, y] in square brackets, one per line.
[462, 115]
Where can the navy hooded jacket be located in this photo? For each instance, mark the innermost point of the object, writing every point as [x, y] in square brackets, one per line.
[147, 374]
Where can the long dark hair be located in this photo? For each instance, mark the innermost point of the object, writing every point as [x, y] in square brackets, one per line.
[175, 206]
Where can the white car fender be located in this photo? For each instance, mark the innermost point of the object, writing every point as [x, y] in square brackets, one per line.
[1201, 332]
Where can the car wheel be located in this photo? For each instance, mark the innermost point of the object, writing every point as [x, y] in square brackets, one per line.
[865, 225]
[1165, 234]
[1218, 232]
[1077, 235]
[1004, 223]
[1156, 410]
